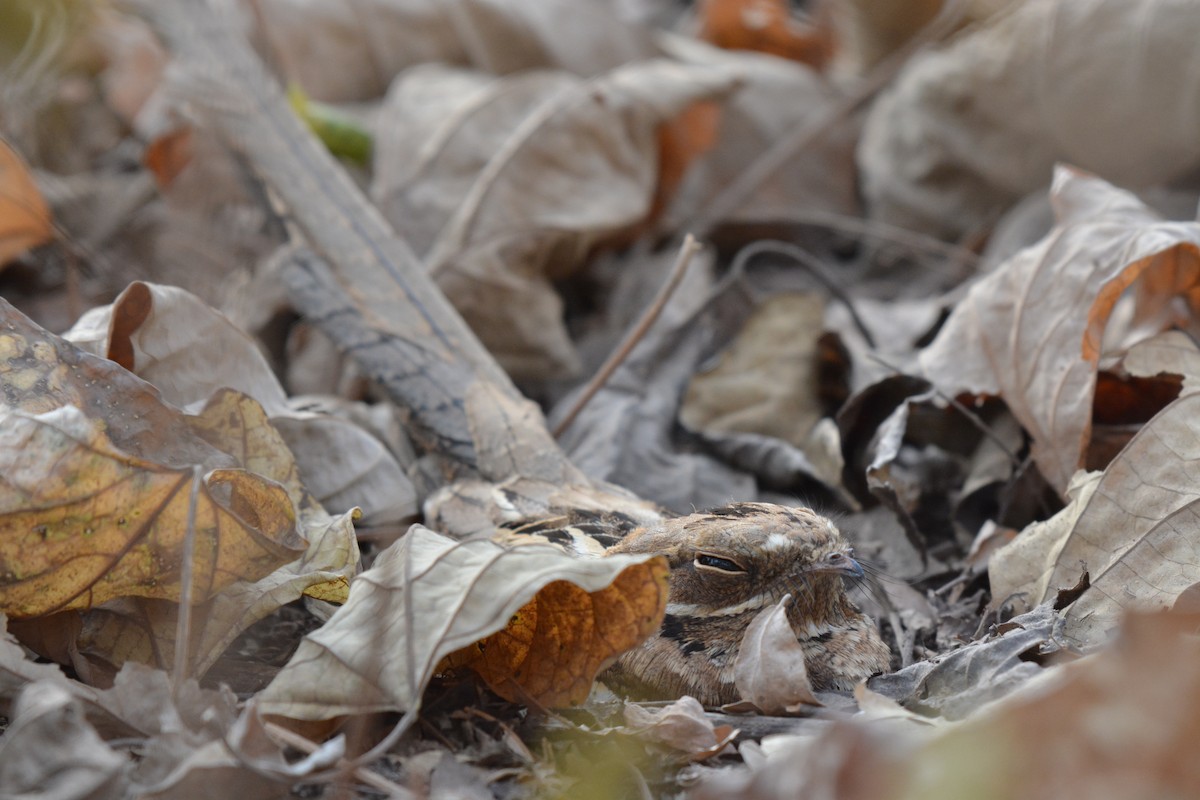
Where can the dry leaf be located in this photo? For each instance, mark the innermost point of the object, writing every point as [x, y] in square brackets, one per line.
[245, 763]
[170, 338]
[1137, 532]
[40, 372]
[135, 63]
[146, 631]
[237, 424]
[769, 671]
[187, 736]
[83, 523]
[168, 155]
[554, 646]
[774, 99]
[1034, 330]
[868, 31]
[1168, 353]
[765, 381]
[625, 434]
[967, 131]
[344, 468]
[427, 597]
[1119, 724]
[681, 726]
[956, 684]
[188, 350]
[24, 217]
[510, 183]
[371, 41]
[468, 508]
[51, 752]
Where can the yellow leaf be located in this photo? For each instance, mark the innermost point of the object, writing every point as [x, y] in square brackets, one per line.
[82, 522]
[145, 630]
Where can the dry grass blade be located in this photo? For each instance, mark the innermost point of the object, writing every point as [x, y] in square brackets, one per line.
[372, 779]
[678, 270]
[183, 630]
[812, 266]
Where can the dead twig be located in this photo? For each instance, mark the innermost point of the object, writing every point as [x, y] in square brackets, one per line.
[374, 780]
[813, 266]
[874, 229]
[352, 276]
[678, 270]
[183, 624]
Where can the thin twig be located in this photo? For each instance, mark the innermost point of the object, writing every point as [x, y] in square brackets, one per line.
[813, 266]
[914, 241]
[304, 745]
[183, 624]
[678, 270]
[785, 149]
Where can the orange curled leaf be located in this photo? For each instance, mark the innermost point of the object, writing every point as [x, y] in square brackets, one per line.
[24, 217]
[557, 643]
[168, 155]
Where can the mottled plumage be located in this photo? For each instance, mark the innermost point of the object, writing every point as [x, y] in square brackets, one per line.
[727, 565]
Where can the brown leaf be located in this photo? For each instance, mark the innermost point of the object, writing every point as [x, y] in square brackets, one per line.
[188, 737]
[135, 61]
[427, 597]
[769, 670]
[556, 644]
[868, 31]
[473, 507]
[24, 217]
[967, 130]
[1033, 330]
[40, 372]
[765, 381]
[371, 41]
[954, 685]
[189, 351]
[168, 155]
[510, 182]
[1136, 529]
[170, 338]
[774, 99]
[626, 433]
[1170, 353]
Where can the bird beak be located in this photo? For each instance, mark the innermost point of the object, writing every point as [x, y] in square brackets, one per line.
[838, 564]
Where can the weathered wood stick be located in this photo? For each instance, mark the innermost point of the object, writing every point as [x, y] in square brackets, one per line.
[359, 282]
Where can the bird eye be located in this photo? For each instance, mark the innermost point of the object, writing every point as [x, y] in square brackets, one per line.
[716, 562]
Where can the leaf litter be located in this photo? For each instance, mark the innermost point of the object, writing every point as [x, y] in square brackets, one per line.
[213, 583]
